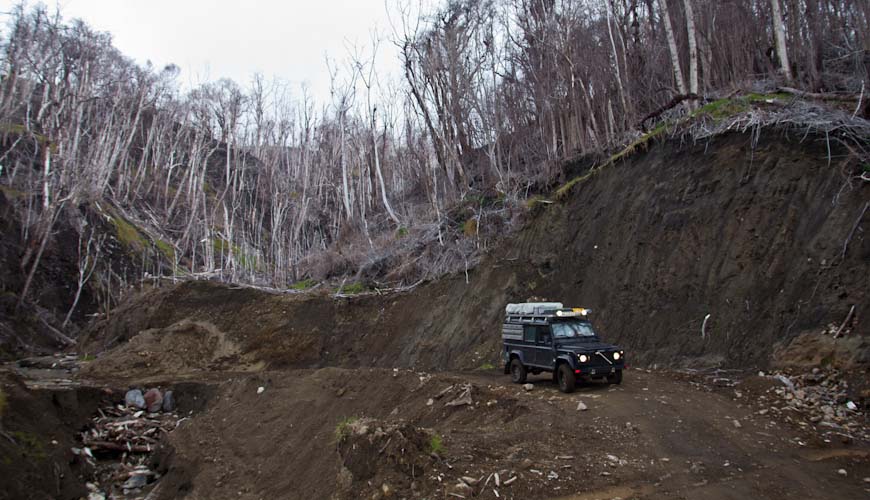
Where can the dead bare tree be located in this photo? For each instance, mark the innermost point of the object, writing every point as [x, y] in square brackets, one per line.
[89, 251]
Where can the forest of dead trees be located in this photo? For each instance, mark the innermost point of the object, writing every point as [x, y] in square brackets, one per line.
[256, 180]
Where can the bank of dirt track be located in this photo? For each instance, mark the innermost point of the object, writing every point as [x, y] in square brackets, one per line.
[361, 433]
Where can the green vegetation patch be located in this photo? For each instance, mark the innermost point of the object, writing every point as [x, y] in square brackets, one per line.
[731, 106]
[486, 366]
[31, 445]
[717, 110]
[166, 249]
[352, 288]
[342, 430]
[20, 129]
[223, 247]
[565, 189]
[303, 285]
[128, 235]
[11, 193]
[469, 228]
[436, 444]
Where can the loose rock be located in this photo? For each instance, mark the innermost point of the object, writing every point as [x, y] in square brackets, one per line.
[134, 398]
[461, 489]
[168, 401]
[135, 481]
[581, 406]
[153, 400]
[387, 489]
[528, 387]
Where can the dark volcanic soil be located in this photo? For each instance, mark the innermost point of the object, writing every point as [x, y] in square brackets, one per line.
[340, 433]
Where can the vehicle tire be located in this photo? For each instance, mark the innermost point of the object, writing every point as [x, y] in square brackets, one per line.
[615, 378]
[567, 380]
[518, 371]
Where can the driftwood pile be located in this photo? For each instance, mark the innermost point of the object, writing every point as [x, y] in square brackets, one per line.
[119, 444]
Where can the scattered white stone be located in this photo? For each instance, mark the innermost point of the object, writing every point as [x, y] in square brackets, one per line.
[842, 472]
[737, 424]
[581, 406]
[852, 406]
[552, 475]
[430, 402]
[260, 389]
[528, 387]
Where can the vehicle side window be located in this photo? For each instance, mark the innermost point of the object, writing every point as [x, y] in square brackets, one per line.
[528, 333]
[543, 335]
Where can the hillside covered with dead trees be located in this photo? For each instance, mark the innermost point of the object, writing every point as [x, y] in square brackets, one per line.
[114, 174]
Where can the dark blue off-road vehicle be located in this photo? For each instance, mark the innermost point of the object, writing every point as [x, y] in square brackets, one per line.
[547, 337]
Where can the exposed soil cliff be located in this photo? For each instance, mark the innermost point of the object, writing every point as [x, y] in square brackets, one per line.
[766, 237]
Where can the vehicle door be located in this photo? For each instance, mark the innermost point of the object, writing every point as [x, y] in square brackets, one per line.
[530, 348]
[544, 344]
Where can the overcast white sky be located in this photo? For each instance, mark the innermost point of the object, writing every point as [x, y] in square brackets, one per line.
[211, 39]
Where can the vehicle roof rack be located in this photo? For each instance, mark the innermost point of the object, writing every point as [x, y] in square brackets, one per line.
[531, 308]
[531, 311]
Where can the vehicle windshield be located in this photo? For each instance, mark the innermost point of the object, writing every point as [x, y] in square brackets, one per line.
[572, 329]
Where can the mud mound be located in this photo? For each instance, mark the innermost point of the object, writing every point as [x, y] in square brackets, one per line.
[812, 349]
[381, 458]
[181, 348]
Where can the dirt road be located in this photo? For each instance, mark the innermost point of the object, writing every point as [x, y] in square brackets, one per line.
[375, 433]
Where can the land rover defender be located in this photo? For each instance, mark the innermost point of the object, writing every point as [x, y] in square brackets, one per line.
[548, 337]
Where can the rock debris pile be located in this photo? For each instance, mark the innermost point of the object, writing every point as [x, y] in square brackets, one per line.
[121, 440]
[820, 398]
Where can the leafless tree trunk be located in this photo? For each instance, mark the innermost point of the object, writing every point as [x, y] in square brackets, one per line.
[89, 256]
[779, 32]
[672, 47]
[693, 49]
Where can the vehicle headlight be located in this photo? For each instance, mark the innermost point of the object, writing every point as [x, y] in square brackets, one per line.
[616, 356]
[584, 358]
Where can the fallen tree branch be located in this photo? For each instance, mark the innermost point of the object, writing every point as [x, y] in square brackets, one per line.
[819, 96]
[671, 104]
[704, 327]
[845, 322]
[107, 445]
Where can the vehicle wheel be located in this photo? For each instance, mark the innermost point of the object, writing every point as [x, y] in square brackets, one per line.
[615, 378]
[518, 371]
[567, 380]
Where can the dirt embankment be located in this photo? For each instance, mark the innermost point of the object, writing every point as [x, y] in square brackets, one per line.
[37, 434]
[378, 433]
[764, 239]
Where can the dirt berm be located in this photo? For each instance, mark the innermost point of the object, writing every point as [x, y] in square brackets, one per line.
[766, 239]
